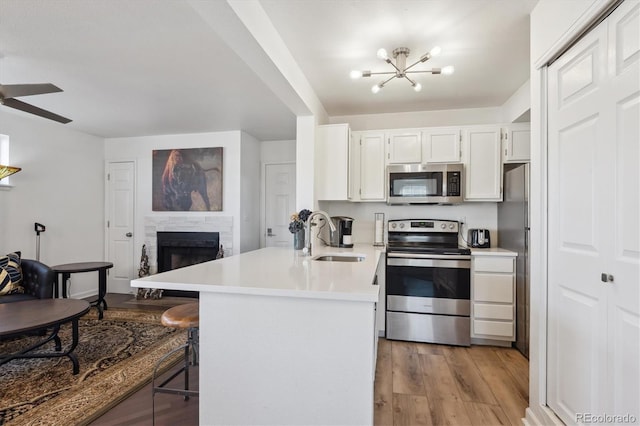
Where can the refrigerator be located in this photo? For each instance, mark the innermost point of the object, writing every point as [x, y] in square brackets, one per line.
[513, 234]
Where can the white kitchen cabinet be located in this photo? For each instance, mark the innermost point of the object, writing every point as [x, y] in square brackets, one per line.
[493, 301]
[516, 143]
[367, 166]
[404, 146]
[441, 145]
[482, 163]
[332, 162]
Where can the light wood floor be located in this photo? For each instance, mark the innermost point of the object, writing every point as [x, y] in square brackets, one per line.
[425, 384]
[416, 384]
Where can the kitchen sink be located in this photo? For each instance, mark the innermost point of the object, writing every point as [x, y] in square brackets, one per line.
[339, 258]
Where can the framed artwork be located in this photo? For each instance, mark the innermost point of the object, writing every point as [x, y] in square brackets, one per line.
[187, 179]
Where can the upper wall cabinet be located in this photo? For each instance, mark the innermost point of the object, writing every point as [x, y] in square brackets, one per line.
[367, 171]
[404, 147]
[441, 145]
[516, 143]
[482, 163]
[332, 162]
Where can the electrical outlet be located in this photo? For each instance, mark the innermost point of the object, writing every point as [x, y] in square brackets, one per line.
[462, 220]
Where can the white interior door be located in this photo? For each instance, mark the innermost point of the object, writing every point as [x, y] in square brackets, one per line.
[120, 224]
[280, 203]
[594, 249]
[577, 248]
[623, 364]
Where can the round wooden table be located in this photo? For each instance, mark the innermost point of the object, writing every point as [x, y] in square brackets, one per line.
[18, 318]
[71, 268]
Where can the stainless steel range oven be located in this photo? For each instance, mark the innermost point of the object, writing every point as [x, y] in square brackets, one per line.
[428, 282]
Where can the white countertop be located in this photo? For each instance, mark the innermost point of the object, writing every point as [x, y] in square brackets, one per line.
[494, 251]
[278, 272]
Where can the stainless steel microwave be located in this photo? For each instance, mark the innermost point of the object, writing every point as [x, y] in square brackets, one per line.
[424, 183]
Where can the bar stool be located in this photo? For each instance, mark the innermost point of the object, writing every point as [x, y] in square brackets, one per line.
[185, 316]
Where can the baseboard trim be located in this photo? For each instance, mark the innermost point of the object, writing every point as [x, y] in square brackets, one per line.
[543, 417]
[491, 342]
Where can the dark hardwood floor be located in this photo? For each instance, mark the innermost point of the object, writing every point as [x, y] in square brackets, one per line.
[137, 408]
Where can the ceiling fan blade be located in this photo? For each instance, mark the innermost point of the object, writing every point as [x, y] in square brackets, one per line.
[22, 106]
[15, 90]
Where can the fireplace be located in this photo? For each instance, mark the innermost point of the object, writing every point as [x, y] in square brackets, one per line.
[179, 249]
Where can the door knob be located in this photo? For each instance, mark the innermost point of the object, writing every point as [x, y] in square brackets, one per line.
[270, 232]
[129, 234]
[606, 278]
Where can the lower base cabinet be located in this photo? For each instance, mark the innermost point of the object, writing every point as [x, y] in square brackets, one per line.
[493, 307]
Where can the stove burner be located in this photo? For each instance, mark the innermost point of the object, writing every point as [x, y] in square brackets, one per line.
[424, 236]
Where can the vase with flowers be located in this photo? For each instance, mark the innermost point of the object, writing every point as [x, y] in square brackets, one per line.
[296, 227]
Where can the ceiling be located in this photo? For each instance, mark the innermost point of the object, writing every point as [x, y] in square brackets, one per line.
[148, 67]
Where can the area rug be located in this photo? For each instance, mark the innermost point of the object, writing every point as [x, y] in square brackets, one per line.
[116, 355]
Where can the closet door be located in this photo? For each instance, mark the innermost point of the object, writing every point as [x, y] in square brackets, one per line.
[623, 389]
[594, 244]
[579, 203]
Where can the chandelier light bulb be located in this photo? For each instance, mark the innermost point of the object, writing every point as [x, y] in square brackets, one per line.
[355, 74]
[448, 70]
[375, 88]
[417, 87]
[382, 54]
[435, 51]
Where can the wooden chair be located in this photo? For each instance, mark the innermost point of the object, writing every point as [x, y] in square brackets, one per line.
[187, 317]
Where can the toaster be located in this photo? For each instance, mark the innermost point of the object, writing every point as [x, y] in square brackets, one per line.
[479, 238]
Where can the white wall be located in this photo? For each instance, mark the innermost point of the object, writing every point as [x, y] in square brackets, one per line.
[250, 178]
[518, 104]
[140, 149]
[453, 117]
[555, 19]
[277, 151]
[61, 185]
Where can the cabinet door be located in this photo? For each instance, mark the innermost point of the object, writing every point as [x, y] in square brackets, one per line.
[483, 164]
[493, 298]
[354, 166]
[441, 145]
[372, 169]
[332, 162]
[404, 147]
[517, 143]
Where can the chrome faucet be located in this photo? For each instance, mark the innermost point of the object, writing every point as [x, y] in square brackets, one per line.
[306, 251]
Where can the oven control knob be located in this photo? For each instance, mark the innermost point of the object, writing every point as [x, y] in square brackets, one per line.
[393, 225]
[451, 226]
[443, 226]
[401, 225]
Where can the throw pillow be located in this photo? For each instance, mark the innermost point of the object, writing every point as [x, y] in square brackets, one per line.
[10, 274]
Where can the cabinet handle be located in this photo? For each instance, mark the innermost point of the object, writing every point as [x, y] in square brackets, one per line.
[606, 278]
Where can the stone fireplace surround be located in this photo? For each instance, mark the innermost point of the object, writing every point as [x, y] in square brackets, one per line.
[154, 224]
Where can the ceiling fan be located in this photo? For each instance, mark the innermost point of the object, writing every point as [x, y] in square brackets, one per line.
[9, 92]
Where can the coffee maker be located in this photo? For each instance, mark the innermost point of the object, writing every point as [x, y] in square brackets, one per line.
[342, 236]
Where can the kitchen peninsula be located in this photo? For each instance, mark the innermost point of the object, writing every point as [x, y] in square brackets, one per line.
[284, 338]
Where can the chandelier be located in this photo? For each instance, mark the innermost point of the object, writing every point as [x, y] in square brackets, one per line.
[401, 70]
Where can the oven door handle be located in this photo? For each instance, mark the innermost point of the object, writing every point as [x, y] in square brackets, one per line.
[431, 263]
[429, 256]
